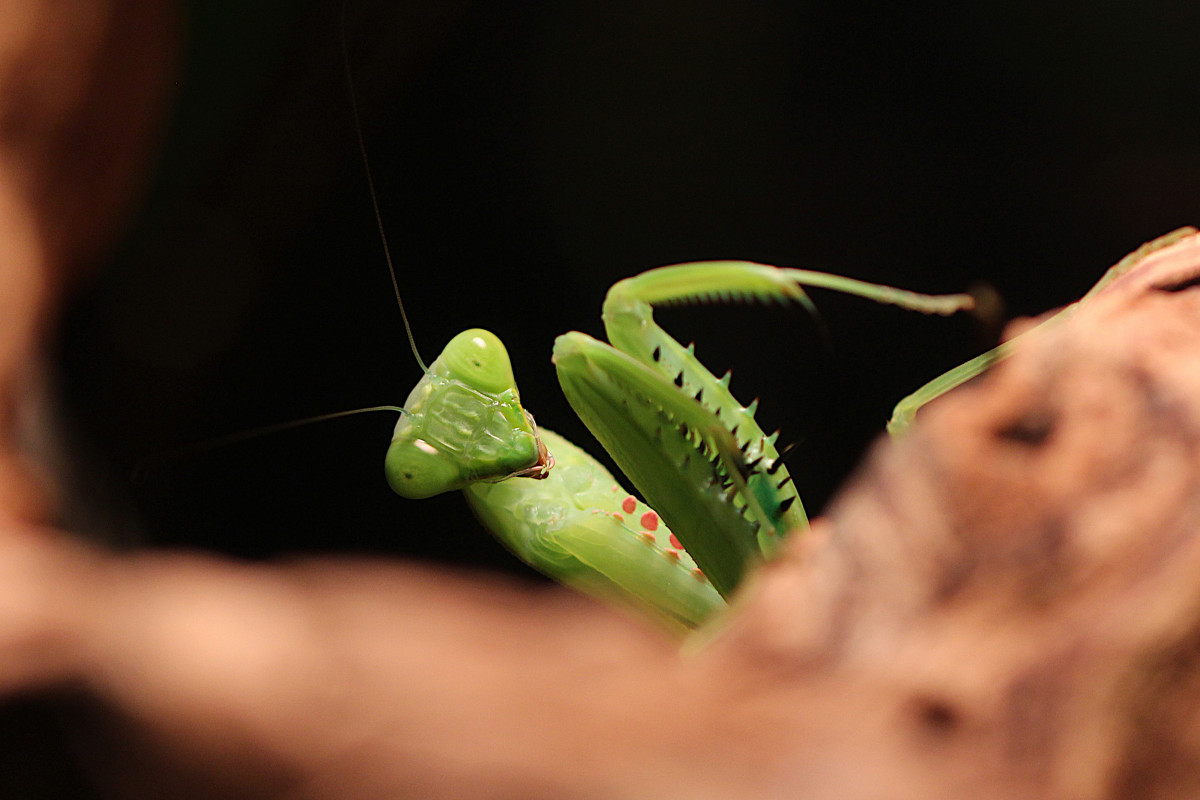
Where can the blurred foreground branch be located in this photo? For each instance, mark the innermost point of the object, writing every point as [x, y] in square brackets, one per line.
[81, 92]
[1004, 603]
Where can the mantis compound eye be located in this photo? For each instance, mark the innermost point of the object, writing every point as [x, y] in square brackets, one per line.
[478, 358]
[416, 469]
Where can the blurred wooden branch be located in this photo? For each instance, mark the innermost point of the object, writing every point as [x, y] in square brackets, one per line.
[81, 93]
[1002, 604]
[1016, 581]
[1005, 603]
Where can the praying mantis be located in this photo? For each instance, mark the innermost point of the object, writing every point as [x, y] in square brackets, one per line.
[718, 498]
[717, 495]
[695, 453]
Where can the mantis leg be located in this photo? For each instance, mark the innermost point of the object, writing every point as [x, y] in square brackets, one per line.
[906, 410]
[655, 434]
[670, 424]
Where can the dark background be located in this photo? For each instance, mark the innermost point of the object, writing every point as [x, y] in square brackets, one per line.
[528, 155]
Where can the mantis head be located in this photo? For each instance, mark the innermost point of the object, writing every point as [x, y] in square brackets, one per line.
[464, 422]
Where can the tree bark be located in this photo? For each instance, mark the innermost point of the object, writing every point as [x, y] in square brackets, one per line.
[82, 84]
[1017, 576]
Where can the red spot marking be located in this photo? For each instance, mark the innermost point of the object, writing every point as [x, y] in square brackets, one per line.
[675, 543]
[648, 538]
[650, 521]
[698, 575]
[618, 517]
[671, 555]
[629, 504]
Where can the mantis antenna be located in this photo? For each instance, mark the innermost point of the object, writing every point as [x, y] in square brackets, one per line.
[253, 433]
[362, 149]
[189, 450]
[234, 438]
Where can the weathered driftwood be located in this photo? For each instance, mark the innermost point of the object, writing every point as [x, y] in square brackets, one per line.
[1006, 603]
[1002, 604]
[81, 86]
[1017, 581]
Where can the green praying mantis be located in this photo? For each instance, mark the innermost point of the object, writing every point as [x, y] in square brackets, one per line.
[720, 498]
[717, 495]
